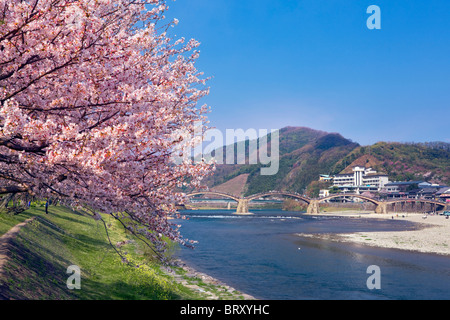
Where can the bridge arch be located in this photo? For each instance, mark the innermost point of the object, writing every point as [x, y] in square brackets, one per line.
[282, 193]
[314, 204]
[422, 201]
[340, 195]
[214, 193]
[440, 203]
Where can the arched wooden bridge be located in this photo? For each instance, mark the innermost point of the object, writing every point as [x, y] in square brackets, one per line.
[314, 203]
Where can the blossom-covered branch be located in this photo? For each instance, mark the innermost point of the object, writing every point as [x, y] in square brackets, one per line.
[96, 98]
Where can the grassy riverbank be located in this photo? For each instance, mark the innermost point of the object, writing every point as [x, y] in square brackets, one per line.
[40, 254]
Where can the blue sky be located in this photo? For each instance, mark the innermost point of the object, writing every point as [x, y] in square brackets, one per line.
[315, 63]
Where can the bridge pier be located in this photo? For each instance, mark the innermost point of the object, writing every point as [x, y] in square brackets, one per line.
[381, 208]
[242, 207]
[313, 207]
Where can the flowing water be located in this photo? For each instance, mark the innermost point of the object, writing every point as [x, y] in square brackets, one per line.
[261, 255]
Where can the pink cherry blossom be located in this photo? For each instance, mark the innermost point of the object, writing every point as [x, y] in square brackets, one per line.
[92, 95]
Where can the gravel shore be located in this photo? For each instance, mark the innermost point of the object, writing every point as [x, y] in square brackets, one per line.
[431, 236]
[211, 288]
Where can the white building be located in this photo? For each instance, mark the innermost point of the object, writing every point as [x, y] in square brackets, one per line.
[360, 180]
[324, 193]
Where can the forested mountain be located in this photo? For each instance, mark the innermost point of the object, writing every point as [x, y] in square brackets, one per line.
[306, 153]
[403, 161]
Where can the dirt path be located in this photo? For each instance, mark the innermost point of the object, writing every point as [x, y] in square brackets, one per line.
[6, 239]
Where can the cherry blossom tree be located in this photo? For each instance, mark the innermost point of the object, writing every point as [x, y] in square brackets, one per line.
[96, 99]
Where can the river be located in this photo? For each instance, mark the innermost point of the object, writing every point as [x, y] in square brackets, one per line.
[261, 256]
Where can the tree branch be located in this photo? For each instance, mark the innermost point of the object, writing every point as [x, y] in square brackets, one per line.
[13, 189]
[11, 144]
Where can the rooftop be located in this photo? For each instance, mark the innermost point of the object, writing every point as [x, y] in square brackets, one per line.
[444, 190]
[374, 174]
[403, 183]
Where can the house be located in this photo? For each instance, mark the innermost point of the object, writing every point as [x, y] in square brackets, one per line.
[443, 194]
[324, 193]
[403, 186]
[414, 190]
[325, 177]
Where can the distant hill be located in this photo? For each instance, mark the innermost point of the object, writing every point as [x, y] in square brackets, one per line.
[235, 186]
[306, 153]
[403, 161]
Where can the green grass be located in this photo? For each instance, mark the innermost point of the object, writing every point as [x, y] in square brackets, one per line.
[8, 221]
[46, 247]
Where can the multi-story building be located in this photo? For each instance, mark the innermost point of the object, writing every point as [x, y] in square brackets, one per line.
[360, 180]
[376, 180]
